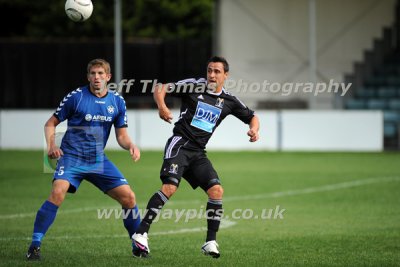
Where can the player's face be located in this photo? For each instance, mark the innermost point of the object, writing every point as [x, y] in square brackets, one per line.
[98, 79]
[216, 76]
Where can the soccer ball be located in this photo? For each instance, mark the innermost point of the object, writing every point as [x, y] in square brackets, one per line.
[79, 10]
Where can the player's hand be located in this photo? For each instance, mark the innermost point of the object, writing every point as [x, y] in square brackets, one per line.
[165, 114]
[54, 152]
[253, 135]
[135, 153]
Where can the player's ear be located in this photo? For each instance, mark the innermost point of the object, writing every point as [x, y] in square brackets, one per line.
[108, 77]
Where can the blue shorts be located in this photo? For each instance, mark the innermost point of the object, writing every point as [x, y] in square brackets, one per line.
[103, 174]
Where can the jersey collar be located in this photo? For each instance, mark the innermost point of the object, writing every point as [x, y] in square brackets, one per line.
[217, 94]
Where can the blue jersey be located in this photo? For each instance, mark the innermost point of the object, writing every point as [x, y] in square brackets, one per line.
[90, 119]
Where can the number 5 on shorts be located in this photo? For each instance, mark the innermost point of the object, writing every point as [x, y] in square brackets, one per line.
[61, 170]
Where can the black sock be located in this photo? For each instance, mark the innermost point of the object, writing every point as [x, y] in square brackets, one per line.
[214, 214]
[154, 206]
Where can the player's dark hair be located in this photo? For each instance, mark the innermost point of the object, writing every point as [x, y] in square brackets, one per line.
[219, 59]
[99, 62]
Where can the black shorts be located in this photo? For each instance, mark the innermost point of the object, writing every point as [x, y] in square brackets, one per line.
[192, 165]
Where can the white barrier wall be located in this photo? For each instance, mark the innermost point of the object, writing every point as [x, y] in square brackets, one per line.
[286, 130]
[332, 130]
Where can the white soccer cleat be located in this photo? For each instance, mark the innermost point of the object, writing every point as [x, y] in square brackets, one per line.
[140, 245]
[211, 248]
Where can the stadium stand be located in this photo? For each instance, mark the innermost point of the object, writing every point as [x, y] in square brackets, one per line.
[376, 82]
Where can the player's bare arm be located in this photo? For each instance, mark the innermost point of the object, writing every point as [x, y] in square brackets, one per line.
[163, 110]
[125, 142]
[254, 126]
[53, 151]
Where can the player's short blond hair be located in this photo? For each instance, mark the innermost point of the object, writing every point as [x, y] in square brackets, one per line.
[99, 62]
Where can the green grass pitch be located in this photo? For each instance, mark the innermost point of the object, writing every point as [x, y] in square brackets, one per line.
[340, 209]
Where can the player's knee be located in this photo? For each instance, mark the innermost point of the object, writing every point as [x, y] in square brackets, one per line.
[57, 196]
[169, 189]
[215, 192]
[129, 200]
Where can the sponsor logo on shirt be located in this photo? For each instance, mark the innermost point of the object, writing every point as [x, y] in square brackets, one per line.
[101, 118]
[88, 117]
[205, 117]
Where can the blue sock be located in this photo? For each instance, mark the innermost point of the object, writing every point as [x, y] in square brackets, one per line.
[44, 218]
[132, 221]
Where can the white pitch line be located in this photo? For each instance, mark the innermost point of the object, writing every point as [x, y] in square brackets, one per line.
[303, 191]
[33, 214]
[317, 189]
[224, 224]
